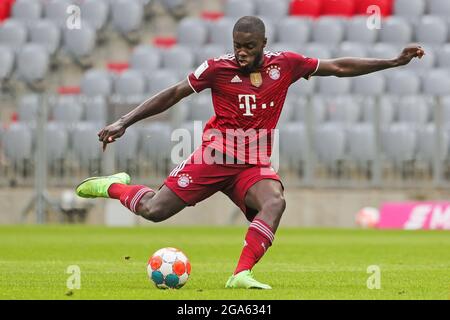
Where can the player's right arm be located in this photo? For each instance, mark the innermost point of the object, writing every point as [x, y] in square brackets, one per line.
[150, 107]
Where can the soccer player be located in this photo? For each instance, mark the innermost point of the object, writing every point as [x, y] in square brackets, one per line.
[248, 90]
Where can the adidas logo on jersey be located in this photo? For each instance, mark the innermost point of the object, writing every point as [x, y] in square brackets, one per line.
[236, 79]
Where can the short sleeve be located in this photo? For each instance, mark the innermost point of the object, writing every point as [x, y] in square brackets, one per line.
[301, 66]
[202, 77]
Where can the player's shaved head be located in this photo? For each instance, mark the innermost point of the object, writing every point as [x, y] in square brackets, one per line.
[250, 24]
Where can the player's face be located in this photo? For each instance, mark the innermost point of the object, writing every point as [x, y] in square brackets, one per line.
[248, 49]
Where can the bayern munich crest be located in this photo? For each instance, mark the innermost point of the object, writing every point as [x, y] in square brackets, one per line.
[184, 180]
[274, 72]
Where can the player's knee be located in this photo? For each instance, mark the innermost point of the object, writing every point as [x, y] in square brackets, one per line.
[154, 212]
[276, 204]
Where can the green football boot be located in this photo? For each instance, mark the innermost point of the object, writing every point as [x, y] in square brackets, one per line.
[95, 187]
[244, 279]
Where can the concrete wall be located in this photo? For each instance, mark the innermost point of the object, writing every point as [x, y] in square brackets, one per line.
[305, 207]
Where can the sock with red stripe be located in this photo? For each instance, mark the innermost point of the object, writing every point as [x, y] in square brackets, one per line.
[258, 239]
[129, 196]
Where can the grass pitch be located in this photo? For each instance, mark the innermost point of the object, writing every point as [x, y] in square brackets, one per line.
[302, 263]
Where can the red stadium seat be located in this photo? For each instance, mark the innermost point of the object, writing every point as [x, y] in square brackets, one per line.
[338, 7]
[164, 42]
[69, 90]
[305, 8]
[5, 9]
[212, 15]
[384, 5]
[117, 67]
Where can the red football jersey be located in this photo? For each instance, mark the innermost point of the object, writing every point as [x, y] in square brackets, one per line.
[248, 105]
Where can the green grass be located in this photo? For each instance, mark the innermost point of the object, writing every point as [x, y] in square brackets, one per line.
[302, 263]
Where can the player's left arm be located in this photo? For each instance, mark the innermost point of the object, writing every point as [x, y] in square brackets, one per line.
[351, 67]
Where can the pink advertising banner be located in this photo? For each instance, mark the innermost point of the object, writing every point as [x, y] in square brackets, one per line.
[415, 215]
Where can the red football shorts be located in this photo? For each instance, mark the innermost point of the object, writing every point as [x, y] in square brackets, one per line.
[193, 181]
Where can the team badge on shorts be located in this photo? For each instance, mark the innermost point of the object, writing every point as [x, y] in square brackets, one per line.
[274, 72]
[184, 180]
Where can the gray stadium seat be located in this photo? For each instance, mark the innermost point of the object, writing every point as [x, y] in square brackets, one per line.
[96, 83]
[270, 29]
[439, 8]
[86, 147]
[351, 49]
[303, 87]
[426, 141]
[316, 50]
[402, 82]
[13, 34]
[56, 10]
[293, 143]
[201, 108]
[28, 107]
[361, 142]
[275, 10]
[95, 12]
[178, 58]
[413, 109]
[443, 56]
[96, 109]
[327, 31]
[287, 114]
[369, 84]
[445, 101]
[32, 62]
[384, 51]
[317, 108]
[398, 141]
[45, 32]
[239, 8]
[293, 30]
[80, 42]
[18, 143]
[221, 32]
[57, 142]
[330, 143]
[130, 83]
[431, 30]
[161, 80]
[334, 85]
[127, 149]
[192, 32]
[385, 106]
[127, 15]
[409, 9]
[395, 30]
[145, 59]
[356, 31]
[209, 51]
[342, 109]
[27, 11]
[419, 66]
[283, 46]
[6, 62]
[156, 141]
[67, 110]
[437, 82]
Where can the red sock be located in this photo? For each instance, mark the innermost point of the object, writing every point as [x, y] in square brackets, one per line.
[258, 239]
[129, 196]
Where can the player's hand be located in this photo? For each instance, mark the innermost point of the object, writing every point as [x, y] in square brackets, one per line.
[110, 133]
[410, 52]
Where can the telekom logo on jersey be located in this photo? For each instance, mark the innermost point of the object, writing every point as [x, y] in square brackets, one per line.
[248, 102]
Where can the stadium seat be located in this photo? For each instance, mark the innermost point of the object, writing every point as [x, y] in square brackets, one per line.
[369, 84]
[201, 108]
[413, 109]
[328, 31]
[156, 142]
[46, 33]
[443, 57]
[127, 15]
[385, 105]
[344, 8]
[95, 12]
[27, 11]
[317, 105]
[356, 30]
[127, 149]
[80, 42]
[287, 113]
[330, 143]
[331, 86]
[192, 32]
[209, 51]
[18, 143]
[439, 8]
[178, 58]
[384, 6]
[384, 51]
[57, 143]
[146, 59]
[56, 10]
[426, 143]
[409, 9]
[293, 30]
[283, 46]
[398, 142]
[351, 49]
[396, 30]
[6, 62]
[309, 8]
[303, 87]
[239, 8]
[221, 32]
[293, 143]
[13, 33]
[431, 30]
[445, 101]
[316, 50]
[161, 80]
[274, 10]
[67, 110]
[420, 66]
[402, 82]
[96, 83]
[436, 82]
[361, 142]
[96, 109]
[32, 62]
[86, 146]
[130, 83]
[28, 106]
[342, 109]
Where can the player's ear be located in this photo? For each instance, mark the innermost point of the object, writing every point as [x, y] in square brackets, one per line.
[264, 42]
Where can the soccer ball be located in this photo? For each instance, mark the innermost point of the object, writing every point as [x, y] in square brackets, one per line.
[368, 217]
[169, 268]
